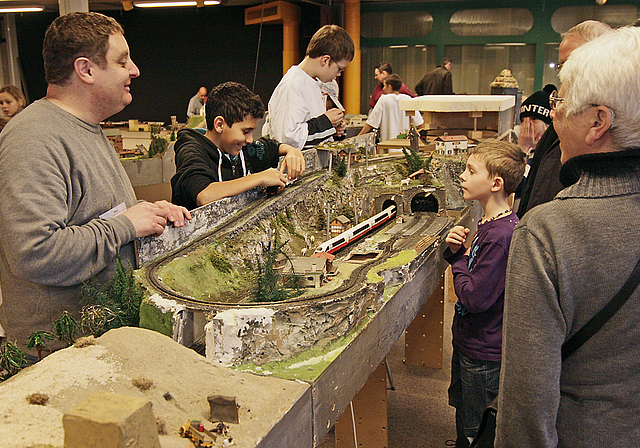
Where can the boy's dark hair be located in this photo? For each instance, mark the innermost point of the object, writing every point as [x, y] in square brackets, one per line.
[445, 60]
[332, 40]
[385, 67]
[76, 35]
[394, 81]
[502, 159]
[233, 102]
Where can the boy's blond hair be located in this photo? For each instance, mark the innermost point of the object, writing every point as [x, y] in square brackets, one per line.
[502, 159]
[332, 40]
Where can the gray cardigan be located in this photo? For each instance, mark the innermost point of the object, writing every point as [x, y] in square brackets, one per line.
[568, 258]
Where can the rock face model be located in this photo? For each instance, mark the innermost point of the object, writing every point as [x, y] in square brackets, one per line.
[211, 282]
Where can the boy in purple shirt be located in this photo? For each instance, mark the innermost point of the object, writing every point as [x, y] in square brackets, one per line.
[494, 170]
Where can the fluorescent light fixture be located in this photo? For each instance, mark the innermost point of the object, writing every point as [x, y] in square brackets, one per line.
[398, 46]
[508, 44]
[21, 9]
[172, 4]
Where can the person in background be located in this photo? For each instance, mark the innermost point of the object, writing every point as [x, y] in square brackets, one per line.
[225, 161]
[535, 118]
[387, 116]
[197, 102]
[543, 181]
[381, 72]
[437, 81]
[494, 170]
[67, 208]
[297, 112]
[568, 259]
[12, 100]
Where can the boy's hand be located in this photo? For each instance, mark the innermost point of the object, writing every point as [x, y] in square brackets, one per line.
[272, 177]
[335, 115]
[456, 238]
[293, 162]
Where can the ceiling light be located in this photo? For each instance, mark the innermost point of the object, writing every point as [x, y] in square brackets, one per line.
[21, 9]
[172, 4]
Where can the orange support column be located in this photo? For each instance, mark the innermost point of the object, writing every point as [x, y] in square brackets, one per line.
[288, 15]
[290, 47]
[351, 85]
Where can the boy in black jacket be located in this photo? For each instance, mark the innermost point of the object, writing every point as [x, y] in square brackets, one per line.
[225, 161]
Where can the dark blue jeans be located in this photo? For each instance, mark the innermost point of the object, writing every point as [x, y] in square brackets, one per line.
[474, 384]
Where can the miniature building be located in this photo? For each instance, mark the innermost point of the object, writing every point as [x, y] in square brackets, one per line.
[312, 270]
[357, 120]
[451, 144]
[348, 155]
[116, 141]
[340, 224]
[328, 257]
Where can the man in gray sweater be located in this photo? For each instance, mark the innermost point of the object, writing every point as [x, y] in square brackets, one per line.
[66, 205]
[569, 257]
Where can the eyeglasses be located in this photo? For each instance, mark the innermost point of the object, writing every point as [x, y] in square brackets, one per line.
[554, 99]
[340, 69]
[558, 66]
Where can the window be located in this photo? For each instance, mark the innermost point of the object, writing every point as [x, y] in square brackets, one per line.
[491, 22]
[476, 66]
[613, 15]
[410, 62]
[395, 24]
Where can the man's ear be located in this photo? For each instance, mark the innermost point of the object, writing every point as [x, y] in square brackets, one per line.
[601, 122]
[498, 184]
[325, 60]
[83, 68]
[218, 124]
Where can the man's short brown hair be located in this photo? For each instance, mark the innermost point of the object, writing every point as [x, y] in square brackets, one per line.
[502, 159]
[76, 35]
[332, 40]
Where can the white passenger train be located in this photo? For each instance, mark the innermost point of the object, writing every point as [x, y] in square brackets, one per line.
[338, 242]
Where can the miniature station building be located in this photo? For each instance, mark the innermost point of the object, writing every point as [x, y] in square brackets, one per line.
[450, 145]
[312, 270]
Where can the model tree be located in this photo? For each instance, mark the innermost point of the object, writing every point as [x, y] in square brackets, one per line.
[12, 360]
[269, 286]
[341, 169]
[37, 340]
[65, 328]
[112, 305]
[158, 146]
[414, 161]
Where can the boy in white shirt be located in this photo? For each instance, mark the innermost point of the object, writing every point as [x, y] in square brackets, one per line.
[387, 116]
[297, 112]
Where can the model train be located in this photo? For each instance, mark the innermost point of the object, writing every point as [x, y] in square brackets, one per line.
[338, 242]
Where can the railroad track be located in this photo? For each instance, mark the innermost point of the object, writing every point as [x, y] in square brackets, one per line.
[232, 226]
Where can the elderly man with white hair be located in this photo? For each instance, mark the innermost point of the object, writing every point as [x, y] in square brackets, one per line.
[569, 257]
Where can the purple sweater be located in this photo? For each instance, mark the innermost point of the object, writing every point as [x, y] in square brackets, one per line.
[479, 283]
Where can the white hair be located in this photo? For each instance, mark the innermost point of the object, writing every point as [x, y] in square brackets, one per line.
[588, 30]
[604, 72]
